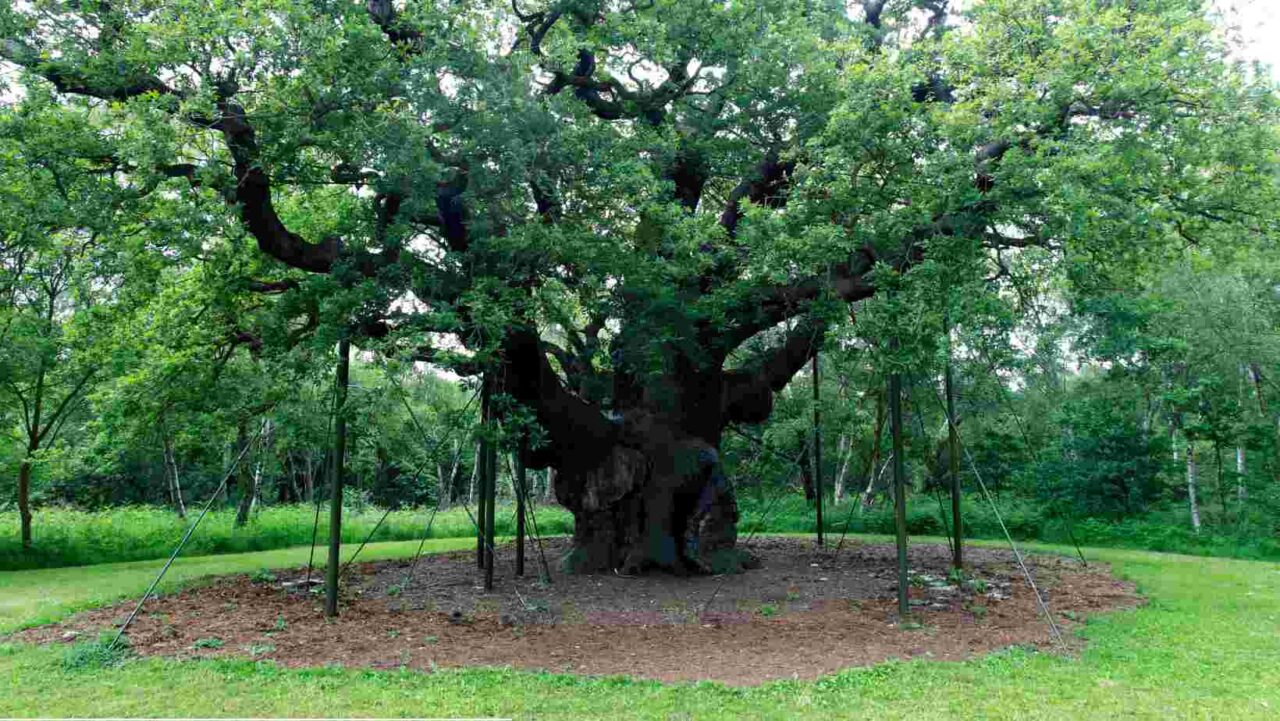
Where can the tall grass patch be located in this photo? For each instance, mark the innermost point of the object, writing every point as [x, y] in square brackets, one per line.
[64, 537]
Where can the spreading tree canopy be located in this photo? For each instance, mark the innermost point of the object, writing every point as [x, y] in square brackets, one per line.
[642, 216]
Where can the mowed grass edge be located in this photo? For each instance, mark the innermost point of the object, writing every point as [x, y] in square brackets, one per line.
[1206, 646]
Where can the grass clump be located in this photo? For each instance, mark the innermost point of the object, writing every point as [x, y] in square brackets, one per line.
[102, 652]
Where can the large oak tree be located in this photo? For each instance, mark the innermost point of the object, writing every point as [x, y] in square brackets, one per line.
[642, 216]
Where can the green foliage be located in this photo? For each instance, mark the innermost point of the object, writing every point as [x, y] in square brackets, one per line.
[1106, 467]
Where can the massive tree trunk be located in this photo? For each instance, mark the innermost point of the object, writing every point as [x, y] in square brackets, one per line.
[666, 506]
[641, 471]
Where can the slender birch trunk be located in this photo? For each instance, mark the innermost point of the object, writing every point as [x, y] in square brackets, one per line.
[872, 475]
[844, 453]
[1242, 382]
[475, 474]
[1242, 492]
[445, 477]
[171, 474]
[1222, 494]
[250, 480]
[1191, 486]
[309, 480]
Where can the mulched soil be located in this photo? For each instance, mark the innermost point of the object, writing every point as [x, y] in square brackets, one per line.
[803, 613]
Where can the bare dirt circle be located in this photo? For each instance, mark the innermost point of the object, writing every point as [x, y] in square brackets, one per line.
[803, 613]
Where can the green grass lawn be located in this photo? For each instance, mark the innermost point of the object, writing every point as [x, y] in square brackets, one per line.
[1207, 646]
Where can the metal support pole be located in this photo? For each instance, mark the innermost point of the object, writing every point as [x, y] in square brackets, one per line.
[817, 447]
[522, 491]
[953, 450]
[335, 483]
[899, 489]
[482, 473]
[491, 497]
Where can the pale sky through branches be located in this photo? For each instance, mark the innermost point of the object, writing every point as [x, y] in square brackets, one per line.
[1258, 25]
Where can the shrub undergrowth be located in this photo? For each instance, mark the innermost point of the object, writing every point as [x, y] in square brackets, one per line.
[65, 537]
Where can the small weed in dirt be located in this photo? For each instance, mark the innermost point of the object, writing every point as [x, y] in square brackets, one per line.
[208, 643]
[393, 633]
[263, 575]
[536, 605]
[281, 624]
[394, 590]
[431, 639]
[977, 585]
[260, 649]
[768, 610]
[571, 613]
[978, 610]
[101, 653]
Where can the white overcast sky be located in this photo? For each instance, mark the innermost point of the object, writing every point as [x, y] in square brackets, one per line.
[1258, 25]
